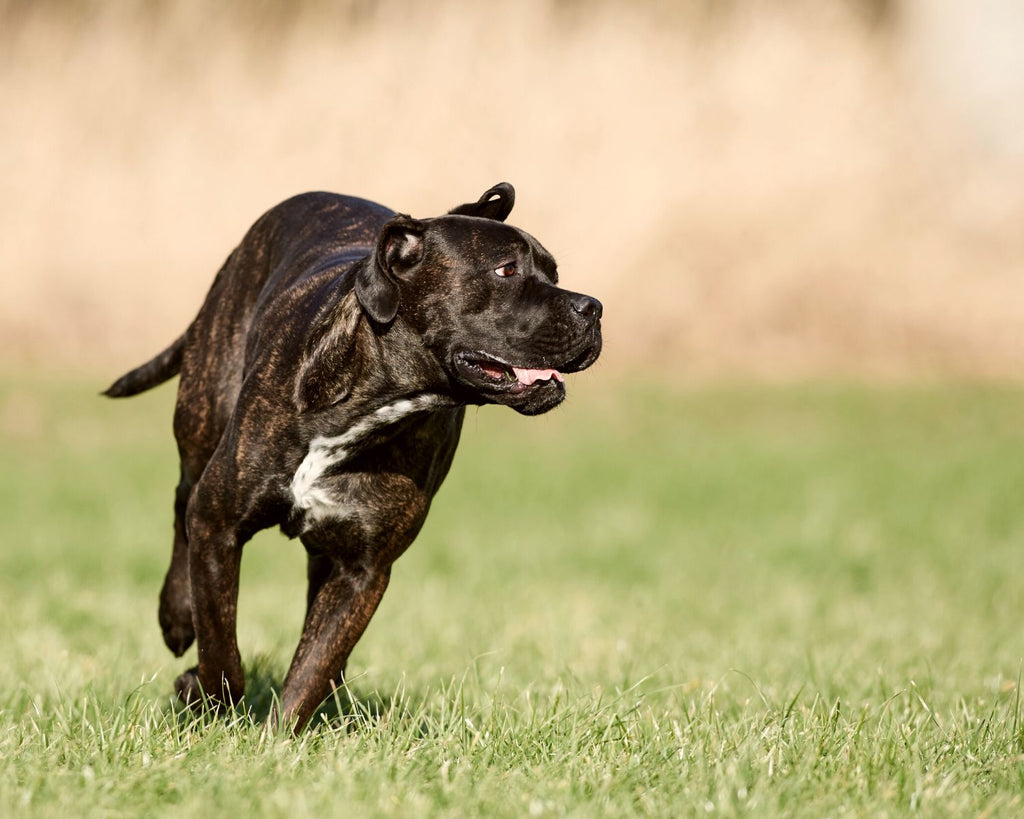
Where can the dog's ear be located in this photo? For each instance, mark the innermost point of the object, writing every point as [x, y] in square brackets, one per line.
[496, 203]
[399, 249]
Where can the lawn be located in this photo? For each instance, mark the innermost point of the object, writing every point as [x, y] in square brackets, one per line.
[763, 601]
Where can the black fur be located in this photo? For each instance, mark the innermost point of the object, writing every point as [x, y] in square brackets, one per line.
[323, 386]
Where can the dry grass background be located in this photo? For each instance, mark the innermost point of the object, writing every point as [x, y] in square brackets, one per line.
[754, 189]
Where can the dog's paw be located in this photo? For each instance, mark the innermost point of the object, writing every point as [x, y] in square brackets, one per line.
[194, 695]
[188, 689]
[175, 616]
[178, 638]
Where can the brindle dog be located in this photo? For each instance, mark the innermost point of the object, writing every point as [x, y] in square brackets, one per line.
[323, 387]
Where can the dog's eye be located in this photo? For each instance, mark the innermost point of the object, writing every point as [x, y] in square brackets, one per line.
[505, 270]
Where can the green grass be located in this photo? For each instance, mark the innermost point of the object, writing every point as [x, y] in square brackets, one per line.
[766, 602]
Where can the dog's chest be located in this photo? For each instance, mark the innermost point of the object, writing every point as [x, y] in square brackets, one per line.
[313, 499]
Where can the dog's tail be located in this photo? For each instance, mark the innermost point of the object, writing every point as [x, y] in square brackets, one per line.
[155, 371]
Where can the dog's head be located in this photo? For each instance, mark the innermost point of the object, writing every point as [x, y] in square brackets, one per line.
[484, 298]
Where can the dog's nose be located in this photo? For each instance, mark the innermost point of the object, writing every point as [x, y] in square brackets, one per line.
[587, 307]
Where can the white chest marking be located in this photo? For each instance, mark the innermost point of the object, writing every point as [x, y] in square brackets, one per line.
[316, 500]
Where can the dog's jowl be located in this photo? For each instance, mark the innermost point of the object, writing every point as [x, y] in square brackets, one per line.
[323, 386]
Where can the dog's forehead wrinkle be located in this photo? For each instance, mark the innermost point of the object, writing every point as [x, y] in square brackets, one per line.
[479, 238]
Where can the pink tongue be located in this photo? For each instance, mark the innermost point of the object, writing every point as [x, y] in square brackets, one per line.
[527, 376]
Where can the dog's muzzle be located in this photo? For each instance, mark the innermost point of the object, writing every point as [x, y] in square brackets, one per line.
[533, 383]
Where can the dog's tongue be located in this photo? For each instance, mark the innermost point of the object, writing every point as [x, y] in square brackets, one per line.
[527, 376]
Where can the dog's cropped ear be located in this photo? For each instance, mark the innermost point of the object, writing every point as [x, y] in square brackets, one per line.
[496, 203]
[399, 249]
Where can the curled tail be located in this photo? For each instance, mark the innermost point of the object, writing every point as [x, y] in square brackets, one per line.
[155, 371]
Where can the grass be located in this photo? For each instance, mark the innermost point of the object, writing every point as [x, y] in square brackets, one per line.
[737, 601]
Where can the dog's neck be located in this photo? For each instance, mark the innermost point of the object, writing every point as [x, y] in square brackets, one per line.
[353, 364]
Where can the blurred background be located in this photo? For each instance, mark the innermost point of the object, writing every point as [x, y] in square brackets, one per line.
[770, 190]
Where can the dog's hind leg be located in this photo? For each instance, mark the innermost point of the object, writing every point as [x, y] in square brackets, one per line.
[217, 531]
[214, 559]
[200, 416]
[175, 612]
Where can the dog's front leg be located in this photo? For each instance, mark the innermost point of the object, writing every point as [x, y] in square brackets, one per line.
[215, 554]
[335, 621]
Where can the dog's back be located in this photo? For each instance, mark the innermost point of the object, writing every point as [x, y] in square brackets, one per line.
[296, 227]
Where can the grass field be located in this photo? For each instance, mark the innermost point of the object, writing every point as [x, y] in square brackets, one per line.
[738, 601]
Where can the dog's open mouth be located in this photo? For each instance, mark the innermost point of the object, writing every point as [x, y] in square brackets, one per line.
[500, 375]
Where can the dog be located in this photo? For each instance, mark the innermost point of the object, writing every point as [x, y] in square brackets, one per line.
[323, 387]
